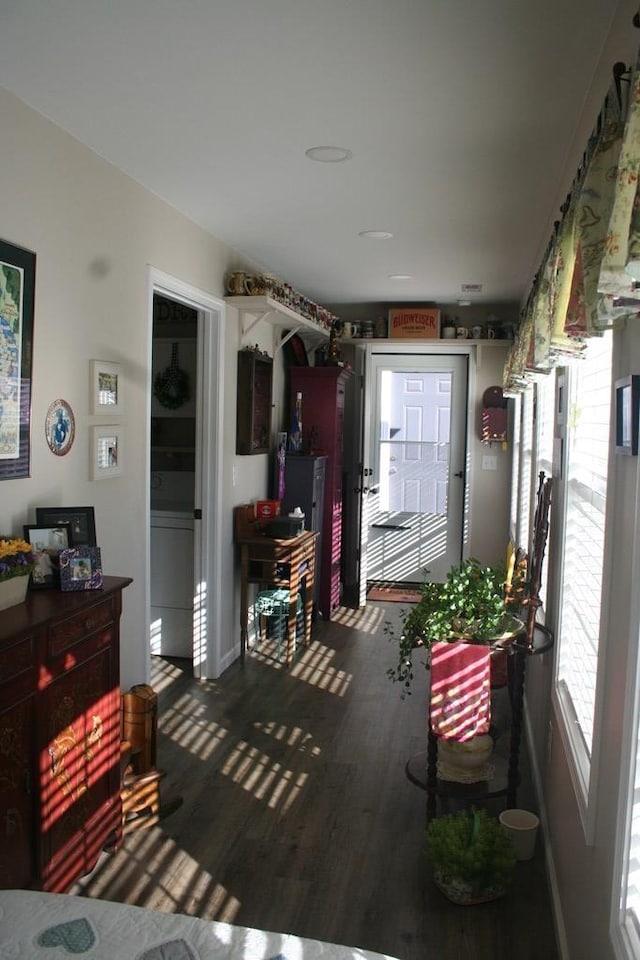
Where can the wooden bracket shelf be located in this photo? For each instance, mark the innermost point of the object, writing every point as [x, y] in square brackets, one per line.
[255, 309]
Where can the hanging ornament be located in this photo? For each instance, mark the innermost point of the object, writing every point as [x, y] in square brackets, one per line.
[171, 386]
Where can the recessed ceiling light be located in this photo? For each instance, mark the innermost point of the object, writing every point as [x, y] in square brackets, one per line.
[400, 276]
[471, 288]
[328, 154]
[464, 303]
[375, 234]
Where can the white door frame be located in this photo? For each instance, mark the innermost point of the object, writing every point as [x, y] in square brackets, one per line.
[410, 352]
[208, 468]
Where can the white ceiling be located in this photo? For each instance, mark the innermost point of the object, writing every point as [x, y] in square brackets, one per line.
[465, 118]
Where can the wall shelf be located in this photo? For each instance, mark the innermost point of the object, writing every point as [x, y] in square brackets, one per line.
[254, 309]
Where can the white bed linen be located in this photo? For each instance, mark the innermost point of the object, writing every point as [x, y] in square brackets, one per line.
[49, 926]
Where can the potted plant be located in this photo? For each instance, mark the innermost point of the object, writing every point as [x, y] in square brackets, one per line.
[473, 858]
[16, 563]
[472, 605]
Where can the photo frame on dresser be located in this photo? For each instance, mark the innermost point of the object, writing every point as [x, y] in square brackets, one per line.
[80, 569]
[47, 541]
[82, 520]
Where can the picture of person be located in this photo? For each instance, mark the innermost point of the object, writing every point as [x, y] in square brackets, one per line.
[47, 542]
[80, 569]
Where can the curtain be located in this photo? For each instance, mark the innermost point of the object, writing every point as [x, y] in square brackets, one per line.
[585, 281]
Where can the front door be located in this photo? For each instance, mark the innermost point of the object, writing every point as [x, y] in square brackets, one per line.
[415, 491]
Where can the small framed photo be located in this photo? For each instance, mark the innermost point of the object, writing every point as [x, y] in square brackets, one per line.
[627, 405]
[82, 520]
[47, 542]
[106, 387]
[106, 452]
[81, 569]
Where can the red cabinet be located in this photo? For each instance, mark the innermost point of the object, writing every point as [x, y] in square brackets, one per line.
[323, 394]
[59, 735]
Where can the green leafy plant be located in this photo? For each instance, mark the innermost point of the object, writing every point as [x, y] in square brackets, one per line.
[472, 604]
[472, 856]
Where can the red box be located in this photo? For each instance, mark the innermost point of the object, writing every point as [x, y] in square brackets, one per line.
[414, 323]
[265, 509]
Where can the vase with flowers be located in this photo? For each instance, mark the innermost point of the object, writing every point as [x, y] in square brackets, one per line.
[16, 563]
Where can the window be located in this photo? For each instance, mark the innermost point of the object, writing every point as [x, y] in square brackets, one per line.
[585, 432]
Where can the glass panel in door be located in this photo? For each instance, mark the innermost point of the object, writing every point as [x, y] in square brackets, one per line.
[415, 507]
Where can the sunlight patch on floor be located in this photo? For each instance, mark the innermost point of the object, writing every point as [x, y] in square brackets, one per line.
[165, 872]
[186, 723]
[164, 673]
[366, 619]
[255, 772]
[314, 667]
[292, 736]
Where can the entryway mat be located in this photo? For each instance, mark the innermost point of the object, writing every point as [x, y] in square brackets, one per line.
[393, 594]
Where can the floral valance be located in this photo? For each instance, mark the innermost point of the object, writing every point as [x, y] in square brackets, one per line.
[590, 273]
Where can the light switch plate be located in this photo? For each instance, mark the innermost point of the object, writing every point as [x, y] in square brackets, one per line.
[489, 462]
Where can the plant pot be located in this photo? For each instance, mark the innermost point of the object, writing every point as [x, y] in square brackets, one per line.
[499, 668]
[13, 591]
[458, 891]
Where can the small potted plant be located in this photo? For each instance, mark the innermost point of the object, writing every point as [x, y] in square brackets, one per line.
[472, 605]
[16, 563]
[473, 858]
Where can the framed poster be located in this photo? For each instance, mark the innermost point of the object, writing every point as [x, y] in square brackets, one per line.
[17, 289]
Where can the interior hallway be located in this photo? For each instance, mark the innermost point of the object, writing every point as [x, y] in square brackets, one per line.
[297, 815]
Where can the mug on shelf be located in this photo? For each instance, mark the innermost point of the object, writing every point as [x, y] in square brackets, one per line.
[461, 333]
[477, 332]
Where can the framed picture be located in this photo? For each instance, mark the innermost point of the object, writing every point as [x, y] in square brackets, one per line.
[627, 399]
[106, 387]
[106, 452]
[47, 542]
[17, 290]
[81, 569]
[60, 427]
[82, 520]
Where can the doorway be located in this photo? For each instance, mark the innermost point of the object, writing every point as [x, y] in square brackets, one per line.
[184, 480]
[412, 518]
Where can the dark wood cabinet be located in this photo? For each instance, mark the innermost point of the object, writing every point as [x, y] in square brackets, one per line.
[253, 408]
[59, 735]
[323, 397]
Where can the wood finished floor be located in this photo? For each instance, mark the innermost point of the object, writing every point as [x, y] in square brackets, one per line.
[297, 815]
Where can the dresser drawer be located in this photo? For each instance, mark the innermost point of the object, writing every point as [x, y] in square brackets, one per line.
[17, 657]
[64, 634]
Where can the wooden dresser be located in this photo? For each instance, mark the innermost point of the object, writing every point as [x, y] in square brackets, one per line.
[59, 735]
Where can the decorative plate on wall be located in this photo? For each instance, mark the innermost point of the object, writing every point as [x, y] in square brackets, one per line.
[60, 427]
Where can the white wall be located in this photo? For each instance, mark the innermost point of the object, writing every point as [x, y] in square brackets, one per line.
[95, 233]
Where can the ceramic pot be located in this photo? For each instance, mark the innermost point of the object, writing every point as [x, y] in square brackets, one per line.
[13, 591]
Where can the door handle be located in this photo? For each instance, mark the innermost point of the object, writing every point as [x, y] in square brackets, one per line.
[460, 474]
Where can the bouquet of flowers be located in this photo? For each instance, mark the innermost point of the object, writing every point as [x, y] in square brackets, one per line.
[16, 558]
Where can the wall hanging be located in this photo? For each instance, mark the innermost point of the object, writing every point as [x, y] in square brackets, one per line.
[494, 416]
[17, 288]
[60, 427]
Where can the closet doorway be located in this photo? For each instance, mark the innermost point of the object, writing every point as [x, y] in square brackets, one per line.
[184, 483]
